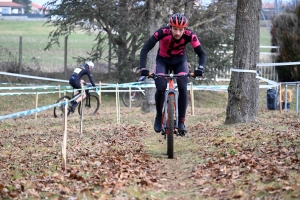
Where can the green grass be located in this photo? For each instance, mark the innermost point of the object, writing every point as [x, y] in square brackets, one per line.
[34, 39]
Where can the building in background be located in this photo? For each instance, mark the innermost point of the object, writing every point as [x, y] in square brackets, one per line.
[38, 9]
[10, 7]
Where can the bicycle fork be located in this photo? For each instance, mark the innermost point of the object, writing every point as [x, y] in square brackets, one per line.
[171, 92]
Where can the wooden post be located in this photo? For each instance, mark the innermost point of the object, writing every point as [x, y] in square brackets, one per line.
[65, 56]
[81, 107]
[130, 96]
[64, 143]
[192, 100]
[58, 91]
[100, 99]
[117, 103]
[280, 107]
[36, 104]
[20, 55]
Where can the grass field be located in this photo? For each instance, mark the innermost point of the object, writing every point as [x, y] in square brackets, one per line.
[35, 37]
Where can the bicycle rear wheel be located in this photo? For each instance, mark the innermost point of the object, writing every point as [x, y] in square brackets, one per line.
[170, 126]
[136, 99]
[58, 111]
[91, 105]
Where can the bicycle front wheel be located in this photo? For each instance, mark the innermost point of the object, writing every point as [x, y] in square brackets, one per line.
[170, 126]
[58, 111]
[91, 105]
[136, 99]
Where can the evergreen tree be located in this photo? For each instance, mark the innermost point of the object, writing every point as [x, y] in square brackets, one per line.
[285, 34]
[26, 3]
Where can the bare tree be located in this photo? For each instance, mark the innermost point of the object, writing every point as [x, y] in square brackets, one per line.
[244, 87]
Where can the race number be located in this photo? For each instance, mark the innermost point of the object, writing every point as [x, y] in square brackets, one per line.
[77, 70]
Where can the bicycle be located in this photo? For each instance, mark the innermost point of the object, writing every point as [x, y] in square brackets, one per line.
[136, 97]
[170, 110]
[92, 104]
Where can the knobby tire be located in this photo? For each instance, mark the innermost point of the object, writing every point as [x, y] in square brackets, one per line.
[91, 105]
[170, 126]
[136, 102]
[58, 111]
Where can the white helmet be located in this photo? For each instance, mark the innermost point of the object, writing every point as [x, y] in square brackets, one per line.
[90, 63]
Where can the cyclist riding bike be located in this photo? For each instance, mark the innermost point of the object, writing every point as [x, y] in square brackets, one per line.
[172, 55]
[76, 81]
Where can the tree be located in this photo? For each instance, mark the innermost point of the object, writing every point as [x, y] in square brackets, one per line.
[124, 26]
[243, 89]
[26, 3]
[120, 20]
[285, 34]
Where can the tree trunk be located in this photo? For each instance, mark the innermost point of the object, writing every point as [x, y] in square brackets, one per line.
[153, 25]
[243, 89]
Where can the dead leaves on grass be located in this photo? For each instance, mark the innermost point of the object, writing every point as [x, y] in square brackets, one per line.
[259, 160]
[243, 161]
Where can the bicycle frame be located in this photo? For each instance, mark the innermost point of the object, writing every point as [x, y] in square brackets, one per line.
[170, 92]
[170, 110]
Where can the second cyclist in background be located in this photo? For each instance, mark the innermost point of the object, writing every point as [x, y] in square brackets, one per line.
[172, 55]
[76, 80]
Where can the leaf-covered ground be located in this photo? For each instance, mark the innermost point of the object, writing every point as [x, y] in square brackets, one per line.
[128, 160]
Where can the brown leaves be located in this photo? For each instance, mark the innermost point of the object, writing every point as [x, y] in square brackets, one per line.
[109, 160]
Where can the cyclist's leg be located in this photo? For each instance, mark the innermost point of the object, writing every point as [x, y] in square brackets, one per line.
[76, 92]
[182, 82]
[161, 85]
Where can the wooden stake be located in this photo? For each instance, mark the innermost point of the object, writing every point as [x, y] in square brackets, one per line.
[58, 91]
[36, 104]
[192, 100]
[280, 106]
[64, 143]
[100, 99]
[129, 96]
[81, 108]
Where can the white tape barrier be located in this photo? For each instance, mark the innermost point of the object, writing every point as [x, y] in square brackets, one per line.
[277, 64]
[22, 93]
[34, 77]
[29, 112]
[43, 87]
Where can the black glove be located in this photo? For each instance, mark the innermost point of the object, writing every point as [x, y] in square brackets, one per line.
[144, 72]
[138, 68]
[199, 71]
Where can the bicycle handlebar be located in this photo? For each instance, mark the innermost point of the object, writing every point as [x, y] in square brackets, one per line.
[153, 75]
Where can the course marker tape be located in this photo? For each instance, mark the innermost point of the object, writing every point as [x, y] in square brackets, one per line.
[34, 77]
[29, 112]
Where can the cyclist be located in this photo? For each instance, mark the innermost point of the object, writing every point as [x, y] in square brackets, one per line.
[172, 55]
[76, 81]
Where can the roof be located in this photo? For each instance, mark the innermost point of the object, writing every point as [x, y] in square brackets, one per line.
[38, 6]
[11, 4]
[269, 5]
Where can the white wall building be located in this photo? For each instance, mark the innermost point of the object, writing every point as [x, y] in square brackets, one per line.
[9, 7]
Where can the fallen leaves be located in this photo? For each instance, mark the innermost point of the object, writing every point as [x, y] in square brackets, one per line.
[110, 160]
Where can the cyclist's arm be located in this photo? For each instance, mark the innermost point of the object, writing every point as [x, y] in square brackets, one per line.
[91, 78]
[201, 54]
[146, 48]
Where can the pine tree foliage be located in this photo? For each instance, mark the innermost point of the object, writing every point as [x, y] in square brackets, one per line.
[26, 3]
[285, 34]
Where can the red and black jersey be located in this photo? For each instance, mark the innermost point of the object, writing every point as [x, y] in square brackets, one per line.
[171, 48]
